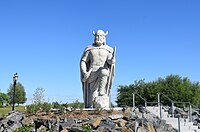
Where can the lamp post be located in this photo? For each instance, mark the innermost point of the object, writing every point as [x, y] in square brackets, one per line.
[15, 77]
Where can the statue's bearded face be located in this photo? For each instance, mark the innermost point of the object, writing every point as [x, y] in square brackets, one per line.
[99, 39]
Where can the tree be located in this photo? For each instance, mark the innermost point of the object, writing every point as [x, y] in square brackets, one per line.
[20, 94]
[3, 99]
[124, 95]
[38, 96]
[175, 87]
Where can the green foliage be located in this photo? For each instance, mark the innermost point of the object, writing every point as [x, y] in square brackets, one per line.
[5, 110]
[56, 105]
[38, 96]
[176, 88]
[33, 108]
[4, 99]
[65, 105]
[60, 107]
[81, 106]
[20, 94]
[86, 128]
[124, 95]
[25, 128]
[76, 105]
[2, 115]
[46, 107]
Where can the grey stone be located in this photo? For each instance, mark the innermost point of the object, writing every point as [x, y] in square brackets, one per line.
[15, 126]
[15, 116]
[69, 122]
[130, 116]
[107, 123]
[102, 129]
[76, 128]
[116, 116]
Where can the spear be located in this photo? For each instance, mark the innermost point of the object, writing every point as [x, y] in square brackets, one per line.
[111, 72]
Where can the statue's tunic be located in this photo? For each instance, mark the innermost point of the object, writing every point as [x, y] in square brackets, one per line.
[96, 60]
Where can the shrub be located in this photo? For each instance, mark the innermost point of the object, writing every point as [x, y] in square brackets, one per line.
[25, 128]
[86, 128]
[33, 108]
[46, 107]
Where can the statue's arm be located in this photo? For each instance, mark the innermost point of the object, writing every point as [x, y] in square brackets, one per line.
[111, 58]
[83, 66]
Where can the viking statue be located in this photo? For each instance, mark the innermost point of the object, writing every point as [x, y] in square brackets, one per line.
[97, 71]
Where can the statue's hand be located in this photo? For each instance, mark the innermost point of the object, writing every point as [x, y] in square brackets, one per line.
[113, 61]
[86, 75]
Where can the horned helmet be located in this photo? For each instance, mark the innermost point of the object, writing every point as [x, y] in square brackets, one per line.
[101, 32]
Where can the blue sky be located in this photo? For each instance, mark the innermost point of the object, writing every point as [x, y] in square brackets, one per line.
[43, 41]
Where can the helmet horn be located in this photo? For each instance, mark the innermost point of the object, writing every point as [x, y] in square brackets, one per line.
[106, 33]
[93, 33]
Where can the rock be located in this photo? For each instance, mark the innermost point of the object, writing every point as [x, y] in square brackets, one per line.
[141, 109]
[130, 116]
[12, 121]
[68, 109]
[108, 124]
[128, 109]
[76, 128]
[96, 122]
[57, 119]
[116, 116]
[169, 128]
[141, 129]
[68, 123]
[8, 130]
[150, 127]
[120, 122]
[42, 128]
[124, 129]
[64, 130]
[102, 129]
[126, 122]
[27, 121]
[16, 126]
[15, 116]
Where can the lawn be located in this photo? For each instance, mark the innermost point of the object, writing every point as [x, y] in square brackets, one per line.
[5, 110]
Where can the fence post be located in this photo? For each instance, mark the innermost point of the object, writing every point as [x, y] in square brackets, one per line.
[133, 99]
[190, 113]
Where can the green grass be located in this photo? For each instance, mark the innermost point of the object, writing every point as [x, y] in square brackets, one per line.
[6, 110]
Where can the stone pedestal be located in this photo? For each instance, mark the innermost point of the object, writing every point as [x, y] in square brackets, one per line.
[102, 102]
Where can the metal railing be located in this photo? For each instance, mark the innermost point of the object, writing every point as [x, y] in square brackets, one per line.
[191, 106]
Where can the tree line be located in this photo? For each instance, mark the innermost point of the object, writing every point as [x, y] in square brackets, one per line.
[7, 98]
[174, 87]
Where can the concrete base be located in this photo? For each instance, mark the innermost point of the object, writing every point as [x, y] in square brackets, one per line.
[102, 102]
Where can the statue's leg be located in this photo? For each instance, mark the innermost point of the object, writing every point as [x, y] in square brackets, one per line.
[103, 77]
[93, 93]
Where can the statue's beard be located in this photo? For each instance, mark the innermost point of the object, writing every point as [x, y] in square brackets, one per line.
[98, 43]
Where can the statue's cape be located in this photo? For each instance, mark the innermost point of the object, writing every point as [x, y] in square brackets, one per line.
[106, 47]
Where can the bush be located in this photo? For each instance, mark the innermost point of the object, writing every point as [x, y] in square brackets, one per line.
[56, 105]
[75, 105]
[46, 107]
[86, 128]
[33, 109]
[25, 128]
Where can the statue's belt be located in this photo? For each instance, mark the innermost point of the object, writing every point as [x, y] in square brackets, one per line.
[98, 63]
